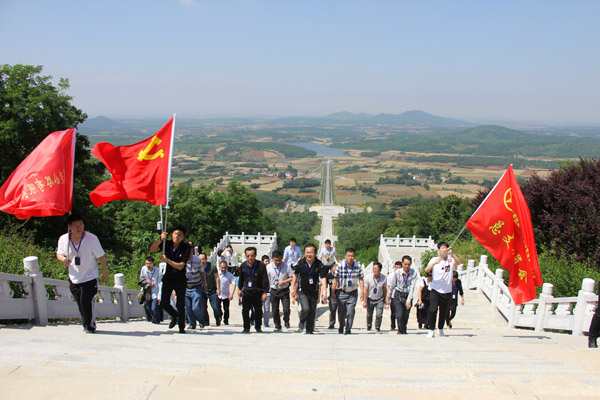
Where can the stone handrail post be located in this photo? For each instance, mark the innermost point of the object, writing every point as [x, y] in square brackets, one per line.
[470, 266]
[499, 278]
[481, 274]
[123, 301]
[581, 308]
[32, 268]
[543, 306]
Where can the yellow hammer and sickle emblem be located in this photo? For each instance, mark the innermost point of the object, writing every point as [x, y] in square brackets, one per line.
[144, 153]
[508, 199]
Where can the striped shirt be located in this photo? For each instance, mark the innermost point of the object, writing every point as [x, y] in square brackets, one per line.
[348, 277]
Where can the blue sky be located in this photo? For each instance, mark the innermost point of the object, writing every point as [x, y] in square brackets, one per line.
[529, 61]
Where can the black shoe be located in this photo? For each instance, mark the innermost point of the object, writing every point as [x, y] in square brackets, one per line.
[225, 322]
[348, 332]
[259, 330]
[420, 326]
[449, 325]
[368, 328]
[309, 332]
[331, 326]
[218, 322]
[90, 330]
[172, 323]
[340, 330]
[287, 325]
[592, 343]
[246, 331]
[398, 333]
[378, 330]
[277, 329]
[182, 331]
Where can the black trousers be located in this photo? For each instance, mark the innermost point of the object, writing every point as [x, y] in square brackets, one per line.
[280, 296]
[308, 314]
[392, 314]
[252, 301]
[165, 300]
[402, 313]
[438, 300]
[84, 296]
[224, 303]
[594, 331]
[452, 305]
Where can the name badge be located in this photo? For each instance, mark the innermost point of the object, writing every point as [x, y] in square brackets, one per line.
[249, 283]
[310, 281]
[349, 283]
[375, 290]
[453, 296]
[276, 283]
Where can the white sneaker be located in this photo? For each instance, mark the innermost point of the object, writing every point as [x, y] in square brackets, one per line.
[441, 333]
[431, 334]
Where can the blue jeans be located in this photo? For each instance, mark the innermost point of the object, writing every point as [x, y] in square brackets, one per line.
[194, 298]
[211, 296]
[152, 310]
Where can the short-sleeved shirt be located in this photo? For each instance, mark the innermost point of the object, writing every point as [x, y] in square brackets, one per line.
[442, 275]
[88, 250]
[180, 254]
[327, 257]
[193, 269]
[310, 275]
[153, 276]
[227, 279]
[292, 255]
[375, 286]
[280, 274]
[404, 283]
[348, 276]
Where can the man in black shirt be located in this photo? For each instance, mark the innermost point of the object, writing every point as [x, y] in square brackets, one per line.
[176, 255]
[253, 287]
[305, 286]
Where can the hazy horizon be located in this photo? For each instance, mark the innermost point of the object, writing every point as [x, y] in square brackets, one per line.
[513, 62]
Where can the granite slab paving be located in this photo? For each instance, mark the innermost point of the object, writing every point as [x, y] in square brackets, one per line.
[480, 358]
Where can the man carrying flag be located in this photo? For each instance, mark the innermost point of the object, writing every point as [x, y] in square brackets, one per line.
[502, 224]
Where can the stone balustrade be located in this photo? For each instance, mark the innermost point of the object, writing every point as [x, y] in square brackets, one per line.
[34, 297]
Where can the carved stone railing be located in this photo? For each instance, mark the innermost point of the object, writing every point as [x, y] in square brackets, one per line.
[41, 299]
[572, 314]
[408, 242]
[244, 239]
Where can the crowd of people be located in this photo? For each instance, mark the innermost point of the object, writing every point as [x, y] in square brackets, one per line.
[185, 283]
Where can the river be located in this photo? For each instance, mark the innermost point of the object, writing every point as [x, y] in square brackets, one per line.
[320, 149]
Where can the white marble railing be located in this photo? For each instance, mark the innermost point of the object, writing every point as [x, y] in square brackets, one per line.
[572, 314]
[244, 239]
[408, 242]
[42, 299]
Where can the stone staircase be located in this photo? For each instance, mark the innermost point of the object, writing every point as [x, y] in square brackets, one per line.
[480, 359]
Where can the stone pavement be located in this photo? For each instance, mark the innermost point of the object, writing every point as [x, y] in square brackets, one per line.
[480, 359]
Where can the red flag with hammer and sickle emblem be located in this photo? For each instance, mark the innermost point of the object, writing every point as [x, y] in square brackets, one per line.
[139, 171]
[502, 224]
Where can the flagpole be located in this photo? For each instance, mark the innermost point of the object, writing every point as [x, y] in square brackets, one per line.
[72, 190]
[457, 236]
[169, 177]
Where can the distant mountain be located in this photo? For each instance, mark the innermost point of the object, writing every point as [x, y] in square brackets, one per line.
[99, 124]
[408, 118]
[493, 134]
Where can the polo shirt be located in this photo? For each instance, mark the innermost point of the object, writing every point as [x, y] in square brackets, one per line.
[227, 279]
[327, 257]
[375, 286]
[181, 254]
[88, 250]
[277, 275]
[306, 272]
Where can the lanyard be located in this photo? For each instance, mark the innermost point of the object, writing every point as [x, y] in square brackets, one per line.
[351, 270]
[278, 270]
[405, 277]
[79, 245]
[251, 273]
[311, 268]
[376, 281]
[174, 253]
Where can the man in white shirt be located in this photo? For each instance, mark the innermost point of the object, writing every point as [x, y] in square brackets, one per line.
[150, 278]
[80, 252]
[345, 288]
[292, 253]
[441, 268]
[397, 265]
[280, 277]
[227, 283]
[329, 257]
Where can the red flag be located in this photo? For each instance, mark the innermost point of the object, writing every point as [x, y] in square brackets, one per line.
[139, 171]
[502, 224]
[42, 185]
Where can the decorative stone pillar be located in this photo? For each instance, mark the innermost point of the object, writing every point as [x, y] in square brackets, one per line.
[40, 297]
[542, 309]
[584, 307]
[123, 301]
